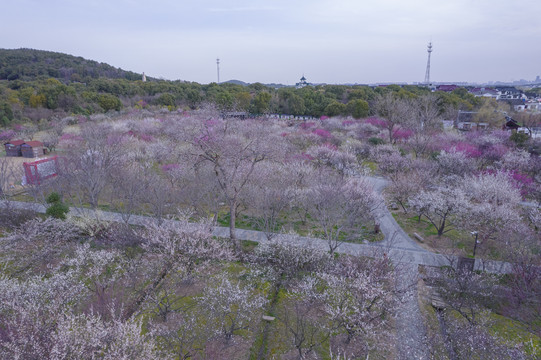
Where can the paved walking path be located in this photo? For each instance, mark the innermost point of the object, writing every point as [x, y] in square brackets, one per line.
[397, 245]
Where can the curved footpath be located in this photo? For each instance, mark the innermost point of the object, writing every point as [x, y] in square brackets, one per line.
[397, 245]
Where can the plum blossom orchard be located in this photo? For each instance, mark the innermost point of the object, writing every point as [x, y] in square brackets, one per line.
[168, 289]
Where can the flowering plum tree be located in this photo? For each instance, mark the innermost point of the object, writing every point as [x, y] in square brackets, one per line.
[453, 164]
[298, 316]
[36, 243]
[439, 205]
[493, 205]
[232, 307]
[156, 191]
[355, 297]
[328, 155]
[475, 341]
[406, 184]
[7, 135]
[89, 336]
[340, 206]
[7, 176]
[127, 189]
[288, 257]
[184, 243]
[393, 110]
[233, 149]
[269, 194]
[89, 167]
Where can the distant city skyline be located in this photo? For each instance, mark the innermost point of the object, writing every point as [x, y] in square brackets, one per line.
[329, 41]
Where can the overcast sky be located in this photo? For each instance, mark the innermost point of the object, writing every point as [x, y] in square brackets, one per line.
[329, 41]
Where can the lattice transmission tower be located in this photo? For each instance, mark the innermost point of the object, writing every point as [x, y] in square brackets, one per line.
[427, 74]
[218, 69]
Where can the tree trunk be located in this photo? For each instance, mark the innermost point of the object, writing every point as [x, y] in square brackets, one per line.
[442, 227]
[232, 219]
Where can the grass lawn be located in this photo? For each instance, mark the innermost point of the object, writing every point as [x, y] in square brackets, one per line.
[306, 228]
[451, 241]
[511, 330]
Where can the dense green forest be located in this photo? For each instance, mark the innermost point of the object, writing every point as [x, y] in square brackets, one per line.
[36, 85]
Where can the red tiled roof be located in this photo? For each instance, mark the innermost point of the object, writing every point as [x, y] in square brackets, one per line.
[447, 87]
[33, 143]
[15, 142]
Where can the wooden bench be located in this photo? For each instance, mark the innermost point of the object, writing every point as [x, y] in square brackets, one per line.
[418, 237]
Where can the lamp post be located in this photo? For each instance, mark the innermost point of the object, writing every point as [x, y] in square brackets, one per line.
[476, 234]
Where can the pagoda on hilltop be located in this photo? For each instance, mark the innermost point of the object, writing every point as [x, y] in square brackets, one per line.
[302, 83]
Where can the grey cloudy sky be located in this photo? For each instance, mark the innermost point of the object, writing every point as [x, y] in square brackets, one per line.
[331, 41]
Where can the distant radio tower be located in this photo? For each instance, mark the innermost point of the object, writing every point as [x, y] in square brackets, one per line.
[427, 75]
[218, 69]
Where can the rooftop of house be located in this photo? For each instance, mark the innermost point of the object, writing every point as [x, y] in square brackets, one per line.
[508, 89]
[446, 88]
[15, 142]
[513, 102]
[33, 143]
[482, 90]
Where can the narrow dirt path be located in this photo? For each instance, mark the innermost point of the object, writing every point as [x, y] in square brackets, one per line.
[410, 329]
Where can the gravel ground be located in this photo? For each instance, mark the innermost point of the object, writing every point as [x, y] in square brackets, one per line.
[410, 328]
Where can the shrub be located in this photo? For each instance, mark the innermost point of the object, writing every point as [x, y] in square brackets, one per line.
[57, 208]
[376, 141]
[519, 139]
[10, 218]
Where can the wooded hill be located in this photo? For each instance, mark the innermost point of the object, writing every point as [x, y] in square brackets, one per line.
[36, 85]
[30, 64]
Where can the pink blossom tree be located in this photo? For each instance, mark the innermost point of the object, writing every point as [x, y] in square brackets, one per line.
[393, 110]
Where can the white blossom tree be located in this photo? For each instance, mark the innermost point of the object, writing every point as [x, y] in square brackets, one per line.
[90, 337]
[469, 341]
[186, 243]
[439, 205]
[453, 165]
[289, 256]
[340, 207]
[232, 307]
[270, 194]
[234, 150]
[355, 295]
[89, 166]
[493, 206]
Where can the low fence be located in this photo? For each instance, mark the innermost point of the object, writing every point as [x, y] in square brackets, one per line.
[40, 170]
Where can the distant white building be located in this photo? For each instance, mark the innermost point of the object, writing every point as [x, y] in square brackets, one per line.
[486, 92]
[535, 132]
